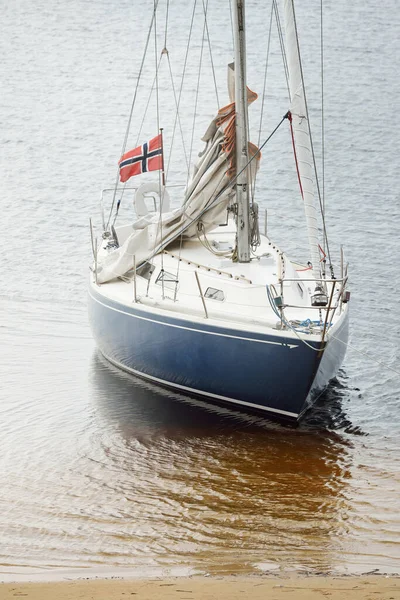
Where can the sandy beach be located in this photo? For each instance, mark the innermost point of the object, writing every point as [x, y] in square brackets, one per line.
[224, 588]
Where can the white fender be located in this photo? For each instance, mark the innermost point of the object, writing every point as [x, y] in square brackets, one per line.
[151, 192]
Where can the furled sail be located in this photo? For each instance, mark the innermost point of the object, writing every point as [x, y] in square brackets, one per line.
[207, 196]
[301, 133]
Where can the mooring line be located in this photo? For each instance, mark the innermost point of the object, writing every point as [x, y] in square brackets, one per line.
[378, 362]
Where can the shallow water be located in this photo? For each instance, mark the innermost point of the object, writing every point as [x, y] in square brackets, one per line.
[98, 469]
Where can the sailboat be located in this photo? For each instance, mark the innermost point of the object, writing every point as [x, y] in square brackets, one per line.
[197, 298]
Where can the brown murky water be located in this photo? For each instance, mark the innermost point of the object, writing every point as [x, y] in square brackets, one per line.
[99, 469]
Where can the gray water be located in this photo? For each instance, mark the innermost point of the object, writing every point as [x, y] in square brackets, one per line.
[100, 470]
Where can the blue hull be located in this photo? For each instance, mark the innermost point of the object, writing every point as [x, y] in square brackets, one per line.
[249, 370]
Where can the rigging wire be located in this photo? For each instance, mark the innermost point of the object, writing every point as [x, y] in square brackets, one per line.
[132, 107]
[230, 13]
[194, 122]
[312, 146]
[265, 75]
[148, 103]
[156, 66]
[196, 99]
[138, 135]
[160, 188]
[166, 24]
[183, 80]
[322, 114]
[164, 52]
[205, 8]
[176, 116]
[232, 181]
[282, 45]
[118, 205]
[177, 119]
[213, 201]
[263, 96]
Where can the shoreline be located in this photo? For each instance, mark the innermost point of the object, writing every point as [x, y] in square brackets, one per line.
[258, 587]
[20, 575]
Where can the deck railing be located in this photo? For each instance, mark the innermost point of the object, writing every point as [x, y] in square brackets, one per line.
[329, 308]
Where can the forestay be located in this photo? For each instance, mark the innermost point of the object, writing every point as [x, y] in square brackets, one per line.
[301, 131]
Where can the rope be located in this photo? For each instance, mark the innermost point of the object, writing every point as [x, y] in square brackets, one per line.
[255, 239]
[233, 180]
[282, 318]
[132, 107]
[213, 201]
[208, 246]
[366, 354]
[347, 344]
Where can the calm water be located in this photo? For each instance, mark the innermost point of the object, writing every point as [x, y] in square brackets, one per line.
[98, 469]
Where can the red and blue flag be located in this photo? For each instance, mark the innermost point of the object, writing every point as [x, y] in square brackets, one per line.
[144, 158]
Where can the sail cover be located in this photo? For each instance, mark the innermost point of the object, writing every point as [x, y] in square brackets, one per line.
[207, 196]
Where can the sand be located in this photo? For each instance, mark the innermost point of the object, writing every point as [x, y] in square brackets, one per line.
[213, 588]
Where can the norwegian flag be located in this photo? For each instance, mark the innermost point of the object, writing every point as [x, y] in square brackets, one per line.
[142, 159]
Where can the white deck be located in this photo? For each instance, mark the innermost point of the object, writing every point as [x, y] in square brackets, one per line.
[245, 304]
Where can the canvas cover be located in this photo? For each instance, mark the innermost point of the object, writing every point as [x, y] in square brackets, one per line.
[207, 196]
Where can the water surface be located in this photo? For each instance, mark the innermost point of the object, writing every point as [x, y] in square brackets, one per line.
[100, 470]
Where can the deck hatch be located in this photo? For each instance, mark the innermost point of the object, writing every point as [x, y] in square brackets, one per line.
[214, 294]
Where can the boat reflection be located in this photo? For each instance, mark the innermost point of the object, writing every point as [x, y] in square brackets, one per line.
[211, 481]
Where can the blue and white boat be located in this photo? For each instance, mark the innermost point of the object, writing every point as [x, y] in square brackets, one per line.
[197, 298]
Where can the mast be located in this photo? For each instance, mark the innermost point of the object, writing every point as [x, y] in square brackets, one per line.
[301, 132]
[242, 187]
